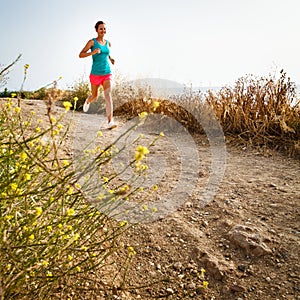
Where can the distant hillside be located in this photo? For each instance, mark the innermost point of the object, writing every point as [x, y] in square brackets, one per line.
[164, 87]
[160, 87]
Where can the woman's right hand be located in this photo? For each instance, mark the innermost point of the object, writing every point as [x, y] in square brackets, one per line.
[96, 51]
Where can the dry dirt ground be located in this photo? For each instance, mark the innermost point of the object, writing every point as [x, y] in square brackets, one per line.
[247, 237]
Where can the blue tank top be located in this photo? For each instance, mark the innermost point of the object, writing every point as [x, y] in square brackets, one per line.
[101, 64]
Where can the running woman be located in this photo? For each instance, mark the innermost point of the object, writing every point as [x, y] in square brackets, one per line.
[99, 49]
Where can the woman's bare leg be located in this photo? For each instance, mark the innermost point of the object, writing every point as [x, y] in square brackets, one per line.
[93, 97]
[108, 99]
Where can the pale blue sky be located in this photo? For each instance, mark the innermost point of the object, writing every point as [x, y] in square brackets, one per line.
[203, 42]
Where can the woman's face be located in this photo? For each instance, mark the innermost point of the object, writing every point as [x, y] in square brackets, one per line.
[101, 29]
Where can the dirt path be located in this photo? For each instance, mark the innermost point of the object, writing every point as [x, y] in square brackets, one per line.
[246, 237]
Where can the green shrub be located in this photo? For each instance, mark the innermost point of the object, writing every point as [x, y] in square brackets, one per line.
[80, 90]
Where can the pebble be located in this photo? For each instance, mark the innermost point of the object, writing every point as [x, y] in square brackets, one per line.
[204, 223]
[157, 248]
[190, 266]
[169, 291]
[177, 265]
[188, 204]
[191, 286]
[242, 268]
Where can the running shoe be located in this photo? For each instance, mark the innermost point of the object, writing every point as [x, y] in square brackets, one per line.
[112, 124]
[86, 105]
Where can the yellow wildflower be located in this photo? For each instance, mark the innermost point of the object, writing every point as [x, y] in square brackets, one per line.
[49, 274]
[67, 105]
[155, 105]
[140, 152]
[202, 273]
[23, 156]
[123, 223]
[123, 190]
[144, 167]
[38, 211]
[143, 115]
[31, 237]
[38, 129]
[78, 269]
[131, 251]
[77, 185]
[144, 207]
[70, 212]
[55, 132]
[205, 284]
[70, 257]
[70, 191]
[65, 163]
[138, 166]
[49, 228]
[75, 99]
[14, 186]
[155, 187]
[17, 110]
[76, 236]
[13, 95]
[66, 237]
[45, 263]
[100, 196]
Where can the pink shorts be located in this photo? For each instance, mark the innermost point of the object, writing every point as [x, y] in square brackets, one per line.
[99, 79]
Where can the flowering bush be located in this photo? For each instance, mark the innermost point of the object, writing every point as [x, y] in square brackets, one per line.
[54, 242]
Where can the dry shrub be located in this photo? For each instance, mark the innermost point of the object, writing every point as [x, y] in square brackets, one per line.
[166, 108]
[262, 112]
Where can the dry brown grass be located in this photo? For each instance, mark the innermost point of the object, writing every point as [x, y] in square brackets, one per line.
[260, 112]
